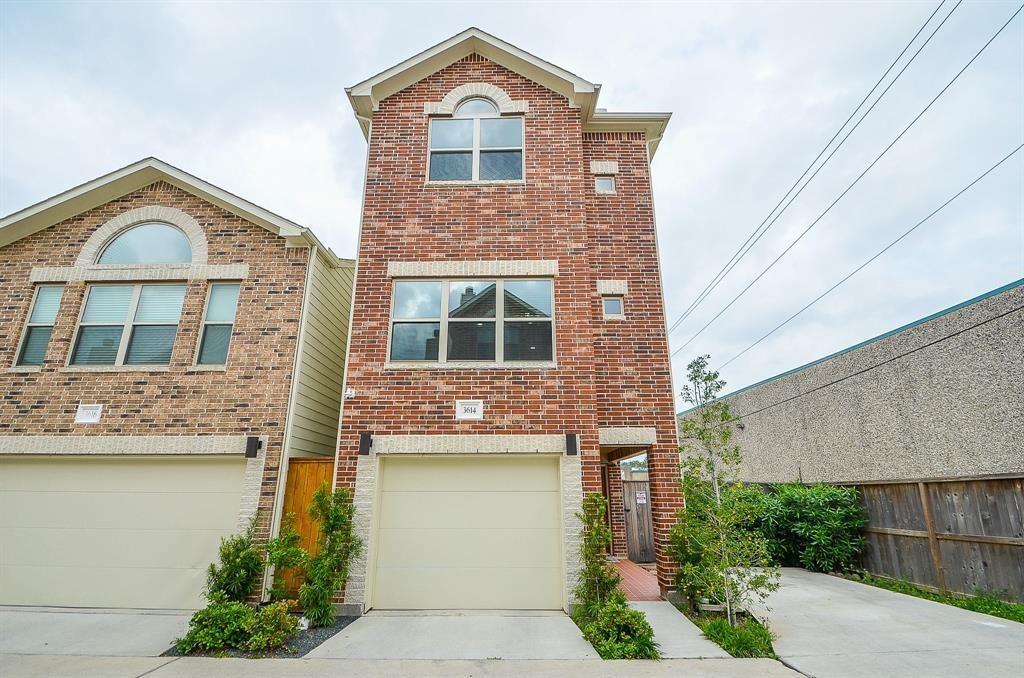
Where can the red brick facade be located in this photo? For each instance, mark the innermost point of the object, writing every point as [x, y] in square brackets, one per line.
[609, 373]
[249, 397]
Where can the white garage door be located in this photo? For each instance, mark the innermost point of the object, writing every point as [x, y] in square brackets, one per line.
[469, 533]
[113, 532]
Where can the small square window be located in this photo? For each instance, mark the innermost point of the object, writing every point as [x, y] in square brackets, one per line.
[613, 307]
[604, 184]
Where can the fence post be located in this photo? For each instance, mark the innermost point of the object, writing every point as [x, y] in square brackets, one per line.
[933, 542]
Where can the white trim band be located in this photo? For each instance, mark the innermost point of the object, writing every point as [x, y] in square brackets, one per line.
[628, 436]
[498, 269]
[604, 167]
[123, 445]
[143, 272]
[616, 287]
[468, 444]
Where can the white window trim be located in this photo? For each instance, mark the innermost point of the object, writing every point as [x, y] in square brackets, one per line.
[622, 304]
[29, 324]
[475, 179]
[196, 365]
[499, 330]
[609, 177]
[126, 332]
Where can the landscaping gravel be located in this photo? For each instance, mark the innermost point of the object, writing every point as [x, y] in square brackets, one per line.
[297, 647]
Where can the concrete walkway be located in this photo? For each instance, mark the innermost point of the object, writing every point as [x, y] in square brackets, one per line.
[72, 631]
[24, 666]
[458, 635]
[677, 636]
[829, 627]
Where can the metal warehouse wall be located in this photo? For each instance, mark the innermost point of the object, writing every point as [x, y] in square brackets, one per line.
[942, 398]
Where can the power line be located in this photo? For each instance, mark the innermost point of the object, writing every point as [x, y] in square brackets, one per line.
[755, 236]
[876, 255]
[850, 187]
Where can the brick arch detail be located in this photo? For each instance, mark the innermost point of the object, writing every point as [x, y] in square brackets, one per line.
[171, 215]
[500, 98]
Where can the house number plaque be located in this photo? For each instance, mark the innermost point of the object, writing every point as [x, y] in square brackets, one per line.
[469, 409]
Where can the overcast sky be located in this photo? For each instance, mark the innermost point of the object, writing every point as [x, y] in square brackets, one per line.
[251, 98]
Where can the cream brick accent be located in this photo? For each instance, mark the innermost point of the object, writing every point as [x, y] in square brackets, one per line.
[604, 166]
[438, 269]
[473, 365]
[448, 104]
[122, 445]
[572, 504]
[171, 215]
[468, 444]
[363, 500]
[251, 484]
[613, 287]
[628, 436]
[96, 273]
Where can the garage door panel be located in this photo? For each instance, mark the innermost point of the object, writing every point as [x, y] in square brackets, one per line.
[469, 548]
[153, 588]
[471, 510]
[129, 510]
[139, 474]
[468, 588]
[457, 474]
[110, 548]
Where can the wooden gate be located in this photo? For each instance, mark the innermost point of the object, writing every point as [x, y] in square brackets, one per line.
[304, 477]
[636, 499]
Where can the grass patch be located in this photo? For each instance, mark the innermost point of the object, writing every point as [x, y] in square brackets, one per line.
[986, 603]
[748, 639]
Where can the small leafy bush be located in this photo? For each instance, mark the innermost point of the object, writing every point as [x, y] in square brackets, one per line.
[819, 527]
[270, 628]
[284, 552]
[238, 573]
[221, 624]
[327, 571]
[748, 638]
[620, 632]
[598, 580]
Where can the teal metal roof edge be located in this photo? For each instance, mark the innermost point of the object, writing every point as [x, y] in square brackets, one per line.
[933, 316]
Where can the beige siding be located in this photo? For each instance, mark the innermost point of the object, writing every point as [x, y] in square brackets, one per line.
[317, 402]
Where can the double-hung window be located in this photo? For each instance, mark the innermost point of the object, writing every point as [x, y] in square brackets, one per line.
[218, 323]
[40, 324]
[463, 321]
[128, 325]
[476, 144]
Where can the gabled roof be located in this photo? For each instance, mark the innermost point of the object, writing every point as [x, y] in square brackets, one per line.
[138, 175]
[367, 95]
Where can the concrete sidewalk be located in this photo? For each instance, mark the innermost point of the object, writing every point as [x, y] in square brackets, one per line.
[677, 636]
[829, 627]
[74, 631]
[29, 666]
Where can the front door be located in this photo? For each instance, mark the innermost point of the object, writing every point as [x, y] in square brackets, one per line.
[636, 499]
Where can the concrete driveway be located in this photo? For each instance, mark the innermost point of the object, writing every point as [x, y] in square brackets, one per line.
[462, 634]
[830, 627]
[71, 631]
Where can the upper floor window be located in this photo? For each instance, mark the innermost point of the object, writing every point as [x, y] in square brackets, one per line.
[128, 325]
[218, 324]
[476, 144]
[462, 320]
[40, 324]
[150, 243]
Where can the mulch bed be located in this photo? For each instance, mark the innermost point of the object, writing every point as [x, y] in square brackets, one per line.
[297, 647]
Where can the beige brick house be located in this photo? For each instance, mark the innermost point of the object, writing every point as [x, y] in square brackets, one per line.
[165, 347]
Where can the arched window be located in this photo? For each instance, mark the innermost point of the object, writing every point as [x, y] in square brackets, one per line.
[150, 243]
[476, 144]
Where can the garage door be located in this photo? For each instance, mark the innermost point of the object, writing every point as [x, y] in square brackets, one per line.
[113, 532]
[469, 533]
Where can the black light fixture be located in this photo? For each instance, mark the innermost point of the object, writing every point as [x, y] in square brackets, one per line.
[252, 446]
[365, 442]
[572, 444]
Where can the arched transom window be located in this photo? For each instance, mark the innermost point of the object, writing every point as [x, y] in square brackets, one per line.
[476, 144]
[148, 243]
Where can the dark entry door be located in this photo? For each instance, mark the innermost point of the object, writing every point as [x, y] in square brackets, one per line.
[636, 499]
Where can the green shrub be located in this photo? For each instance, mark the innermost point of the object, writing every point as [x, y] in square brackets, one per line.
[598, 580]
[284, 552]
[819, 527]
[270, 628]
[327, 571]
[221, 624]
[241, 565]
[748, 638]
[619, 632]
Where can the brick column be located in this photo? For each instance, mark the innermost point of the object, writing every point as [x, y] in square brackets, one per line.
[616, 511]
[666, 500]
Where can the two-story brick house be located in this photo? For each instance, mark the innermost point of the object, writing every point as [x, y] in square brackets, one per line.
[165, 348]
[508, 338]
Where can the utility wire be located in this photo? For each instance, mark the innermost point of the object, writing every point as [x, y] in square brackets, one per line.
[877, 254]
[850, 187]
[757, 232]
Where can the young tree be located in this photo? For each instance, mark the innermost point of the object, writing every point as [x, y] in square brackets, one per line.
[721, 557]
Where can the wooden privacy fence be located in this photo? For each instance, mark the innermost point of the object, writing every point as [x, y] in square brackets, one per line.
[962, 536]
